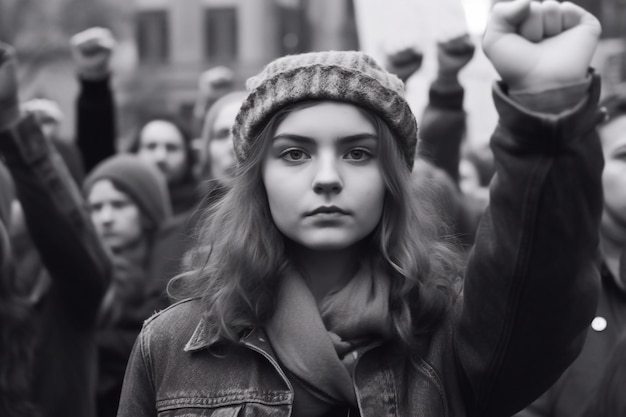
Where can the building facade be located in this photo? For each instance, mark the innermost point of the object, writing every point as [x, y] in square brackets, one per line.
[176, 40]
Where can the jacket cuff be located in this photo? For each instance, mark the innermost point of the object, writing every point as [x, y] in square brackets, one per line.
[96, 87]
[448, 97]
[553, 100]
[550, 133]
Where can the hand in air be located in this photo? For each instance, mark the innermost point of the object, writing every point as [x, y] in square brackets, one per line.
[91, 51]
[540, 45]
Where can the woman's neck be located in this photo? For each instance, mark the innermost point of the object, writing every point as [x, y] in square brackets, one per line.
[325, 271]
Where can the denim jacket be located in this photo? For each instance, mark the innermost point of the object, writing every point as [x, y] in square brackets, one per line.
[530, 292]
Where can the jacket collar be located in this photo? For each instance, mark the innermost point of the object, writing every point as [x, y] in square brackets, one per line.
[199, 340]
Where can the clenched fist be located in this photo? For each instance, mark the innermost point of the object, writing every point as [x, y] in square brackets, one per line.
[540, 45]
[91, 51]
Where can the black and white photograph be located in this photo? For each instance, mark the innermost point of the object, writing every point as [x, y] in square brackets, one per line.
[312, 208]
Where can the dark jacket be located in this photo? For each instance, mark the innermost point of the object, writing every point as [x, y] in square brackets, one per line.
[65, 311]
[530, 292]
[573, 391]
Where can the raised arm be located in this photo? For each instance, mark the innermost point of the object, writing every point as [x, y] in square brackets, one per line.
[443, 122]
[532, 282]
[55, 213]
[95, 106]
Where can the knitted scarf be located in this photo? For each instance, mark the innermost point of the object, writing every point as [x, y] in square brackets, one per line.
[317, 344]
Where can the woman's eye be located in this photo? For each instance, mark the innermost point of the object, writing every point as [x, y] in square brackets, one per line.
[293, 155]
[358, 155]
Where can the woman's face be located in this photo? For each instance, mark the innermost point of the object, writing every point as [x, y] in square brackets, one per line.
[613, 136]
[323, 178]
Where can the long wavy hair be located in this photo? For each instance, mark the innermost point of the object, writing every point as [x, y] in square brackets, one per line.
[240, 254]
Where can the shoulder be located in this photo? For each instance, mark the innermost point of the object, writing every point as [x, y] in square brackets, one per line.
[176, 323]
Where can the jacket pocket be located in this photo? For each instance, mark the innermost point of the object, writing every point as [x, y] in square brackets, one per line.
[232, 411]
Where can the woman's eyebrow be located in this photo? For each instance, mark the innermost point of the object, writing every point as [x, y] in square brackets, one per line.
[343, 139]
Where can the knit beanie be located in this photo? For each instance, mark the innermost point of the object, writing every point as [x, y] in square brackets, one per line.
[347, 76]
[143, 183]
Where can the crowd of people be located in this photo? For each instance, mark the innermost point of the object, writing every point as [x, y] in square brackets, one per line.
[307, 246]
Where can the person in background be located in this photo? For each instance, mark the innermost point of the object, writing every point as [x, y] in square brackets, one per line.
[129, 206]
[217, 163]
[166, 143]
[572, 392]
[49, 313]
[212, 84]
[161, 140]
[92, 50]
[49, 116]
[442, 134]
[321, 286]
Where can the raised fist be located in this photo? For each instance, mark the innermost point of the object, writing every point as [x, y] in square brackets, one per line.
[47, 113]
[540, 45]
[405, 62]
[454, 54]
[91, 51]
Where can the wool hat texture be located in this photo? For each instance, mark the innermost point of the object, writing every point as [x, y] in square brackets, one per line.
[347, 76]
[143, 182]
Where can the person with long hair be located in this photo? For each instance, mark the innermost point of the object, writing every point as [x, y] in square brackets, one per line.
[49, 313]
[320, 286]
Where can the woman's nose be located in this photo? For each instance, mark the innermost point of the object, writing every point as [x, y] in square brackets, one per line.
[327, 178]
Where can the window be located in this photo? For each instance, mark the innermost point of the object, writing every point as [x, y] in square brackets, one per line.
[152, 36]
[293, 30]
[220, 34]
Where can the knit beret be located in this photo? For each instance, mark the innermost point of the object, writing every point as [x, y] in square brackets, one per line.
[348, 76]
[143, 183]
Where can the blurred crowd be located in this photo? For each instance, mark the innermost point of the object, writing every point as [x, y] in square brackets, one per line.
[90, 234]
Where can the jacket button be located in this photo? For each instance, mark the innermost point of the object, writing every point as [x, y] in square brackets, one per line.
[599, 324]
[262, 340]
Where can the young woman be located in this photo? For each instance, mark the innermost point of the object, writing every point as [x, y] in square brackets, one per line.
[321, 288]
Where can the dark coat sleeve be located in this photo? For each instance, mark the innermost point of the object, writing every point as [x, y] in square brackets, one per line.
[95, 122]
[57, 219]
[442, 128]
[532, 281]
